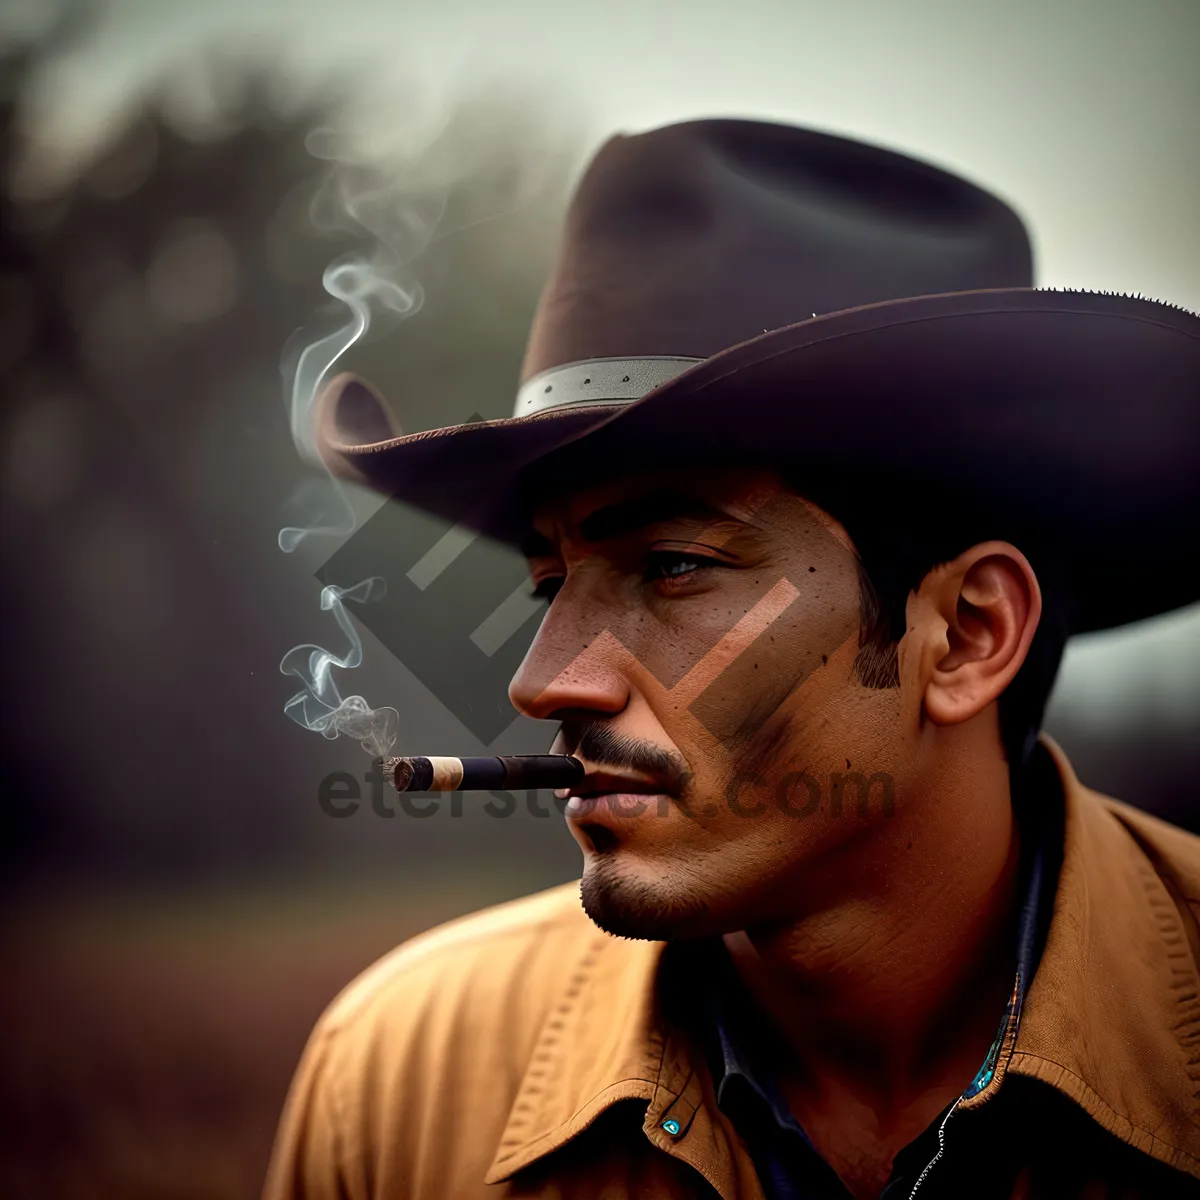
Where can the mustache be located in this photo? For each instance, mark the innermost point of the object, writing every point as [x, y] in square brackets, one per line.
[607, 748]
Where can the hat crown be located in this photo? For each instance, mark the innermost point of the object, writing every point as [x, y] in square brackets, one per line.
[686, 240]
[1070, 412]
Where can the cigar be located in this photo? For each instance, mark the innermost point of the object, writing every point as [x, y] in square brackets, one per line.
[482, 774]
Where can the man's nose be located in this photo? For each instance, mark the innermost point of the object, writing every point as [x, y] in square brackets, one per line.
[571, 665]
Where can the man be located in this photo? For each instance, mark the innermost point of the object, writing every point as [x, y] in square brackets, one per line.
[815, 485]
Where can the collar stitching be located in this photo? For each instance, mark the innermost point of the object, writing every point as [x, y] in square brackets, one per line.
[1187, 1028]
[546, 1052]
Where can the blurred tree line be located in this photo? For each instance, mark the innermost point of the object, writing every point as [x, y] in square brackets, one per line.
[178, 910]
[147, 460]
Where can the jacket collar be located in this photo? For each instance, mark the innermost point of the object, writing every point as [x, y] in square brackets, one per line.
[1111, 1018]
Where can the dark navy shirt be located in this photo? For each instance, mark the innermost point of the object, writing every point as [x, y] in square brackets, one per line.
[740, 1050]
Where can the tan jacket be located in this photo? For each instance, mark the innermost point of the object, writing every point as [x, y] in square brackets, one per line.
[520, 1051]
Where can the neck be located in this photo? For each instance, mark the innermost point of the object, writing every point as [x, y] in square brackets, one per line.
[891, 985]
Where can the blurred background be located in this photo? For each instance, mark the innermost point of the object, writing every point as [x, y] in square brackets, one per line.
[176, 179]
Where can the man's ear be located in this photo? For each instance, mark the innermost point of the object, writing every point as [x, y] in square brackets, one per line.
[990, 603]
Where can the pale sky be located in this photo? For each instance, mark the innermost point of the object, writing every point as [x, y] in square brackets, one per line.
[1083, 113]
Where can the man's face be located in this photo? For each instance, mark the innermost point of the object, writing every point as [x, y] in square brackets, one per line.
[698, 649]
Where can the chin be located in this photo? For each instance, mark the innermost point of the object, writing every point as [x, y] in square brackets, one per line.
[653, 908]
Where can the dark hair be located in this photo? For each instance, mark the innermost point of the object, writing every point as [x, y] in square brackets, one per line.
[902, 529]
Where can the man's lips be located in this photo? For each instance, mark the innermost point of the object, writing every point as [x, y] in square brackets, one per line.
[588, 797]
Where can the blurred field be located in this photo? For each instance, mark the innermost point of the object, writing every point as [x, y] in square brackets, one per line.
[151, 1036]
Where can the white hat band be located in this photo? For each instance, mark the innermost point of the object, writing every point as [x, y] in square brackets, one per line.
[598, 381]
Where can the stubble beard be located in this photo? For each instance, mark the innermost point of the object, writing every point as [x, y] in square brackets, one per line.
[644, 910]
[672, 903]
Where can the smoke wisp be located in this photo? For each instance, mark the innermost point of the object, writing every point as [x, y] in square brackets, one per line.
[461, 172]
[373, 290]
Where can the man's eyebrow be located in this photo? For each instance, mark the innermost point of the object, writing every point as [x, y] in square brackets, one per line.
[627, 516]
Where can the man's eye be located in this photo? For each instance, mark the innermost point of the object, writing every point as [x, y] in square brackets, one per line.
[671, 564]
[546, 589]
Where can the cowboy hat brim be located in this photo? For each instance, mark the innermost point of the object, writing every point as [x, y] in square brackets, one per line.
[1079, 411]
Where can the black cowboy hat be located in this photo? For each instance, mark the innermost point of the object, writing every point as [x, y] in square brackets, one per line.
[741, 290]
